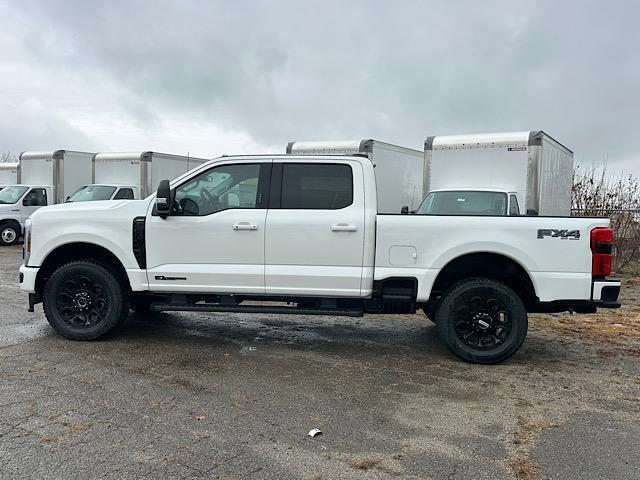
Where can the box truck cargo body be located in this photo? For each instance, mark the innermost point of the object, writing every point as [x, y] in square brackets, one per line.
[532, 164]
[64, 170]
[8, 173]
[399, 170]
[116, 175]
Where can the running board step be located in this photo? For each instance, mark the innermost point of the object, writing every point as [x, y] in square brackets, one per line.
[203, 307]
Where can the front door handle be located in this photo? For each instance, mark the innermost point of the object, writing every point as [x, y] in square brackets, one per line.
[15, 210]
[244, 226]
[343, 227]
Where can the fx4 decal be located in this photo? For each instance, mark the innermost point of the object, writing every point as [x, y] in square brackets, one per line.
[562, 234]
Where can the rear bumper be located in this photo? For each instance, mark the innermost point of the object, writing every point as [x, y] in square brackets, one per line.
[605, 293]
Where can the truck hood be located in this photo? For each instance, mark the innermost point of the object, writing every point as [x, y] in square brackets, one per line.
[90, 209]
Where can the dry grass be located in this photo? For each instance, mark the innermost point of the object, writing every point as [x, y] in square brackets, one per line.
[369, 464]
[524, 468]
[605, 326]
[526, 429]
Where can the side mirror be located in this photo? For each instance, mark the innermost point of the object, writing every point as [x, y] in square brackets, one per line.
[404, 210]
[163, 199]
[532, 212]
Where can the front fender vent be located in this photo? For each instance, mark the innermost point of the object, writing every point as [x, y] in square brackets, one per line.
[139, 245]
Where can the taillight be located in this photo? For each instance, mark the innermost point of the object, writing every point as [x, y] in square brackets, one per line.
[602, 249]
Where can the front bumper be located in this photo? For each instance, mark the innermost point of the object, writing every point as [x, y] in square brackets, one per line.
[605, 293]
[28, 278]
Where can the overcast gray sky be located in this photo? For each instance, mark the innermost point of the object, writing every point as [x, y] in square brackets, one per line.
[215, 77]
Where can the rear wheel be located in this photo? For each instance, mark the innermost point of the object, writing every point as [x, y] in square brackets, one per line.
[84, 300]
[9, 234]
[482, 320]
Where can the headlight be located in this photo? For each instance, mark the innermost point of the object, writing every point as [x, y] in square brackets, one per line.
[26, 247]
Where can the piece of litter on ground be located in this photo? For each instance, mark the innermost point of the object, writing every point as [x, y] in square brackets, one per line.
[314, 433]
[617, 325]
[199, 417]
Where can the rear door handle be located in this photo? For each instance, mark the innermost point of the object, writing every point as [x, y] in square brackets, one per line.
[343, 227]
[15, 210]
[244, 226]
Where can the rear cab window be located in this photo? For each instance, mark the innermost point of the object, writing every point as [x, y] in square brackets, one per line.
[316, 186]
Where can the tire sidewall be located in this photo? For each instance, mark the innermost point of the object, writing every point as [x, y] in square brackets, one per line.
[115, 298]
[517, 311]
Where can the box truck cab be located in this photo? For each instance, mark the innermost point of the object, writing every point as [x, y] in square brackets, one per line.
[93, 192]
[17, 203]
[131, 175]
[468, 202]
[43, 178]
[535, 167]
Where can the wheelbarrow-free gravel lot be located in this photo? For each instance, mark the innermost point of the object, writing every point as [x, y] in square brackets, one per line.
[191, 395]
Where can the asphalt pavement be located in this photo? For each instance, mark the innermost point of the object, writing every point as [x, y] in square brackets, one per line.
[192, 395]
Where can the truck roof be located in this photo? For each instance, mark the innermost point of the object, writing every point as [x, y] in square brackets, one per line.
[41, 155]
[36, 185]
[341, 147]
[145, 156]
[516, 139]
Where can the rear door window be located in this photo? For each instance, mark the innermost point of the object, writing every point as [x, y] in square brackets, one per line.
[316, 186]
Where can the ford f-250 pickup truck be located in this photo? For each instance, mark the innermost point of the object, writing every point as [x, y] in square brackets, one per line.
[301, 234]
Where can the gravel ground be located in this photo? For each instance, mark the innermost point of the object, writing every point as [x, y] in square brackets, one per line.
[191, 395]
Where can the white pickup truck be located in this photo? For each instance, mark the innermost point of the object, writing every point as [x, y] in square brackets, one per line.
[301, 234]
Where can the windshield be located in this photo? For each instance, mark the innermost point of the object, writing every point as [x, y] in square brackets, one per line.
[90, 193]
[464, 203]
[10, 195]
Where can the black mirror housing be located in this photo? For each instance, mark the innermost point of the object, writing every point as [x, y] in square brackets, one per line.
[532, 212]
[163, 199]
[404, 210]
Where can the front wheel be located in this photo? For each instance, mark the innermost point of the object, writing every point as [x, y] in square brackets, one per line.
[84, 300]
[482, 320]
[9, 234]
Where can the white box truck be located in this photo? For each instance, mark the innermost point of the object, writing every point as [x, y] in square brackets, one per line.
[498, 174]
[8, 173]
[44, 178]
[399, 170]
[131, 175]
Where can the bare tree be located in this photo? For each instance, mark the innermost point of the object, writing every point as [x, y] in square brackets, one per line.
[597, 193]
[7, 156]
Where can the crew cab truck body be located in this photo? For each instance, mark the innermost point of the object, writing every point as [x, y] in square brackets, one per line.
[132, 175]
[535, 167]
[44, 178]
[301, 234]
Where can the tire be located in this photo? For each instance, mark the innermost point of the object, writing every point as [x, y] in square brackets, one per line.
[482, 320]
[9, 234]
[84, 300]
